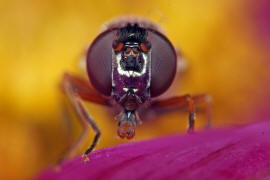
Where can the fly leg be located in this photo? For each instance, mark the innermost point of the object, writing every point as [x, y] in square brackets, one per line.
[78, 89]
[183, 102]
[207, 101]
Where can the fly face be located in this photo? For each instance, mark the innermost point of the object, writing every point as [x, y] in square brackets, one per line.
[131, 62]
[131, 66]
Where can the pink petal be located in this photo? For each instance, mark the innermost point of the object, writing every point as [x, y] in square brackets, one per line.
[237, 153]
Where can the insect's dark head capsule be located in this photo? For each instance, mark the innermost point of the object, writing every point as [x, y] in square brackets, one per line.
[131, 41]
[131, 58]
[131, 66]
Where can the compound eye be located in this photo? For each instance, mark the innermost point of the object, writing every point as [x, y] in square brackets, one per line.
[99, 62]
[163, 63]
[118, 46]
[145, 47]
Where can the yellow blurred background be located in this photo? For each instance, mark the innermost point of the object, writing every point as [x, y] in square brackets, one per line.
[39, 40]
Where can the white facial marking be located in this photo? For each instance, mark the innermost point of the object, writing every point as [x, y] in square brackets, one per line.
[131, 73]
[119, 69]
[134, 89]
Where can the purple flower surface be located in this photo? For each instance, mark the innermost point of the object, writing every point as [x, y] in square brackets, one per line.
[236, 153]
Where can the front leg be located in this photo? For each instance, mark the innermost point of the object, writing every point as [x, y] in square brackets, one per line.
[77, 89]
[186, 101]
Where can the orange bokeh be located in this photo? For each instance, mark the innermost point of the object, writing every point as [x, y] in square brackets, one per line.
[40, 40]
